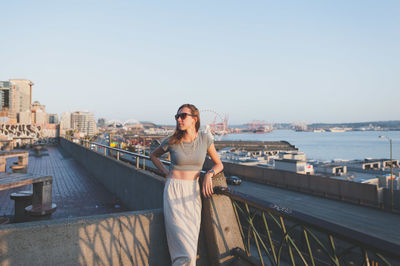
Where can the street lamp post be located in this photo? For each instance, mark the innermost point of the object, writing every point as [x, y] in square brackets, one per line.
[391, 167]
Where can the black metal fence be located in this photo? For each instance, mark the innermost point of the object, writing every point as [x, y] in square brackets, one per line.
[276, 235]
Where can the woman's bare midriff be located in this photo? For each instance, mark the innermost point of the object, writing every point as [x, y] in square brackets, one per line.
[186, 175]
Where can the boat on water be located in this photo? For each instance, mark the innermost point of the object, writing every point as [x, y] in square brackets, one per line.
[336, 129]
[262, 130]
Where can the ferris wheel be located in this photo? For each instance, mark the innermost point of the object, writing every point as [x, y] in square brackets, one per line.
[213, 122]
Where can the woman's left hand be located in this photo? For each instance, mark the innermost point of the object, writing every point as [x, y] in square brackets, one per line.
[207, 185]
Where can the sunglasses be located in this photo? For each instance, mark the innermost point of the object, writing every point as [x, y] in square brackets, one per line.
[182, 116]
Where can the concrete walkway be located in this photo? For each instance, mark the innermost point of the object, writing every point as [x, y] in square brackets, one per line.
[75, 192]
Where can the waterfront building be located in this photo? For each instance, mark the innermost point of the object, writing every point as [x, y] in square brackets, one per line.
[293, 155]
[297, 166]
[371, 171]
[84, 123]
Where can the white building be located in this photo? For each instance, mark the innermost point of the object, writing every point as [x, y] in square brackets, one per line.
[25, 117]
[40, 117]
[65, 123]
[84, 122]
[300, 167]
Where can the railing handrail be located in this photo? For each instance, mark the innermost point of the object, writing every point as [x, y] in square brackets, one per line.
[386, 247]
[123, 151]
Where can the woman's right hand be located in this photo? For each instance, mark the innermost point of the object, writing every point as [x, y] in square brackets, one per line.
[207, 185]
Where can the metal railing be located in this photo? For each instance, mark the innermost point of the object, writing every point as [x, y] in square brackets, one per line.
[139, 160]
[278, 234]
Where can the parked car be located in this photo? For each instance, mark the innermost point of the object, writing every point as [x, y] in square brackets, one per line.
[233, 180]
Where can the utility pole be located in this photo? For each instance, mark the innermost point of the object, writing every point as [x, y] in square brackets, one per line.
[391, 169]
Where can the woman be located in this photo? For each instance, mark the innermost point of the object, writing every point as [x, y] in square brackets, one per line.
[182, 204]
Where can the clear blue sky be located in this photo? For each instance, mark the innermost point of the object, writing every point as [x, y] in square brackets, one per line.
[278, 61]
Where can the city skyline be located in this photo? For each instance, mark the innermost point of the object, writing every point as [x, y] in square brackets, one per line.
[278, 62]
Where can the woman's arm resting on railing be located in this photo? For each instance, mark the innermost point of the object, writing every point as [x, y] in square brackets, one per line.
[155, 158]
[218, 167]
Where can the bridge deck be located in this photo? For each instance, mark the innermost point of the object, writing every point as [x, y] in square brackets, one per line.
[375, 222]
[75, 192]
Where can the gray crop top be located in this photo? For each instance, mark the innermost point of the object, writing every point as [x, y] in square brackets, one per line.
[193, 154]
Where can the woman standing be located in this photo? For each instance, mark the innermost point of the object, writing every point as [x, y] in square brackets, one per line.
[182, 203]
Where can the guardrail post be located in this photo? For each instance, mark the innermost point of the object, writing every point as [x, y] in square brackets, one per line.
[118, 155]
[137, 162]
[220, 227]
[144, 164]
[105, 151]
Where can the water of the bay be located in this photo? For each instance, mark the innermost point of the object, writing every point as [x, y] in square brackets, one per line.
[326, 146]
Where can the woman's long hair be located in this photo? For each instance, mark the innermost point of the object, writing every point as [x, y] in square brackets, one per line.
[178, 134]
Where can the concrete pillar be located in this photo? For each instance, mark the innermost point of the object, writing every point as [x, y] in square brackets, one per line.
[221, 229]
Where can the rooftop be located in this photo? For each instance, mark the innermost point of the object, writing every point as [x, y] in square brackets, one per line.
[75, 192]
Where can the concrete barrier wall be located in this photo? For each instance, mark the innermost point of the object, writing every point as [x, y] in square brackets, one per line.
[130, 238]
[316, 185]
[137, 189]
[140, 189]
[387, 198]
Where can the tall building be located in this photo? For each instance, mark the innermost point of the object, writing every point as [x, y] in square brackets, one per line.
[5, 87]
[84, 122]
[23, 94]
[15, 98]
[40, 117]
[39, 113]
[65, 123]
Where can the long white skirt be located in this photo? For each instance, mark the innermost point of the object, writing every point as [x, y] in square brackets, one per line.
[182, 215]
